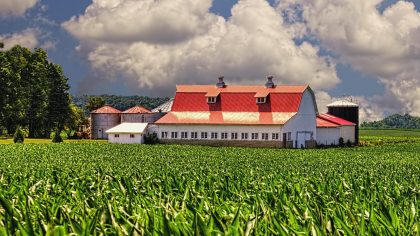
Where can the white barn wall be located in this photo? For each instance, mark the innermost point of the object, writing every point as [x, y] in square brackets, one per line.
[125, 138]
[304, 120]
[219, 129]
[347, 133]
[327, 136]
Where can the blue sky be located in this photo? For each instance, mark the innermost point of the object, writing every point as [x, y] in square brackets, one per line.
[349, 65]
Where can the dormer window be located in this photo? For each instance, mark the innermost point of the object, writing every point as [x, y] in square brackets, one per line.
[262, 100]
[211, 99]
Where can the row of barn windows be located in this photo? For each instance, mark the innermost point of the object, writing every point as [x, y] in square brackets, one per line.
[213, 100]
[117, 136]
[223, 135]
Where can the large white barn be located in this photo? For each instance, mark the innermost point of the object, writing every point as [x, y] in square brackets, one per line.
[241, 115]
[250, 115]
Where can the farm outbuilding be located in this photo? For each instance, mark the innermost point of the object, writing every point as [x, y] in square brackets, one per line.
[107, 117]
[331, 128]
[103, 119]
[127, 133]
[349, 111]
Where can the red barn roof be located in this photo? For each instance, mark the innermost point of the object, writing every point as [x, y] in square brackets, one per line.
[334, 119]
[321, 123]
[235, 104]
[136, 110]
[106, 110]
[227, 118]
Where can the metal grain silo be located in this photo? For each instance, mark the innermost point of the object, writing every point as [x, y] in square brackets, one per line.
[103, 119]
[346, 110]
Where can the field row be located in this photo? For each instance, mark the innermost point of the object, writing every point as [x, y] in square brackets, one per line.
[175, 190]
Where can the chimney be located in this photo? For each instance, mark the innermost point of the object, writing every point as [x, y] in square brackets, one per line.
[269, 83]
[221, 83]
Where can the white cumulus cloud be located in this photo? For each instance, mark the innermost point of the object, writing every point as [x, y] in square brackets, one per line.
[157, 44]
[27, 38]
[384, 44]
[15, 7]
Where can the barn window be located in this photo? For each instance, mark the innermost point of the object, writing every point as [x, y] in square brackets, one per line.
[261, 100]
[224, 135]
[211, 99]
[142, 119]
[132, 135]
[204, 135]
[174, 134]
[289, 136]
[264, 136]
[184, 135]
[194, 135]
[244, 136]
[213, 135]
[164, 134]
[254, 136]
[116, 135]
[275, 136]
[234, 136]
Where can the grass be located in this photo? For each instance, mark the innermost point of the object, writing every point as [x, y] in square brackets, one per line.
[390, 132]
[48, 141]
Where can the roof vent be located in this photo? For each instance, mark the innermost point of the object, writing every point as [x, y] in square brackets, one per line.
[221, 83]
[269, 83]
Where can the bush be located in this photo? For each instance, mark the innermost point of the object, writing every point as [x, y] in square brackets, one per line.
[341, 142]
[151, 138]
[348, 143]
[18, 137]
[57, 138]
[63, 135]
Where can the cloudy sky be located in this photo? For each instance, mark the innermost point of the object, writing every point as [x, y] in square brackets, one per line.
[367, 49]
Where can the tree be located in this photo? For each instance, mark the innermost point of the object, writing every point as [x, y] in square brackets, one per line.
[36, 78]
[33, 92]
[95, 103]
[59, 99]
[13, 99]
[77, 117]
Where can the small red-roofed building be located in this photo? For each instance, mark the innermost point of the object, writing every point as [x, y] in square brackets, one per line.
[331, 128]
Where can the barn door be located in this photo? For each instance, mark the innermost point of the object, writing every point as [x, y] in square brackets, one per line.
[284, 139]
[300, 140]
[100, 134]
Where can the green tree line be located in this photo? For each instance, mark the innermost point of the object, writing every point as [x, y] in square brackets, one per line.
[90, 102]
[395, 121]
[34, 93]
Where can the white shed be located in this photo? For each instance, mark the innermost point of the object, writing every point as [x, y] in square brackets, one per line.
[127, 133]
[331, 128]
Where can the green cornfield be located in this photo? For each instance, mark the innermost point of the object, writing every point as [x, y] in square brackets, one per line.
[102, 189]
